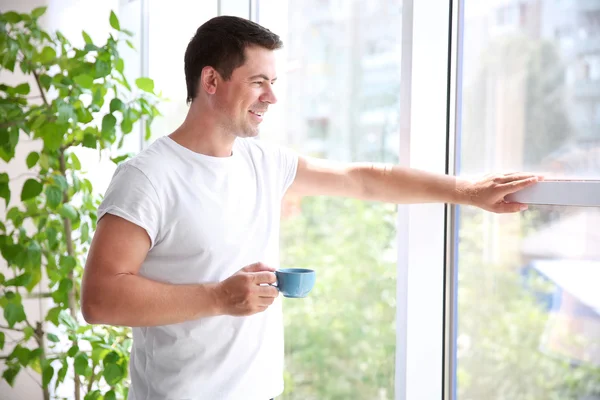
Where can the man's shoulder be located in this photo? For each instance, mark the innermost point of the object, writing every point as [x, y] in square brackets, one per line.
[152, 158]
[147, 165]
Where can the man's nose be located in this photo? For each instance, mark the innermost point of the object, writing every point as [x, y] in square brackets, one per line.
[268, 96]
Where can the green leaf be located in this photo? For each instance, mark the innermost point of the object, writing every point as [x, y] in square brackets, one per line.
[28, 331]
[39, 120]
[44, 161]
[32, 159]
[126, 124]
[65, 319]
[36, 276]
[89, 141]
[81, 363]
[23, 88]
[31, 189]
[113, 373]
[2, 340]
[5, 192]
[61, 181]
[20, 280]
[14, 313]
[145, 84]
[114, 21]
[73, 350]
[54, 197]
[53, 136]
[38, 12]
[51, 235]
[94, 395]
[68, 211]
[67, 263]
[22, 354]
[98, 352]
[116, 105]
[103, 68]
[110, 395]
[62, 372]
[87, 38]
[53, 314]
[66, 112]
[108, 123]
[120, 159]
[48, 54]
[84, 115]
[85, 81]
[120, 65]
[53, 338]
[46, 81]
[11, 373]
[12, 17]
[47, 375]
[85, 233]
[75, 162]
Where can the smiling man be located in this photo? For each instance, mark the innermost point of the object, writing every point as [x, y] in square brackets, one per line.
[188, 232]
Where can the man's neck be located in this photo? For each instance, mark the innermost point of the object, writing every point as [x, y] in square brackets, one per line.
[202, 135]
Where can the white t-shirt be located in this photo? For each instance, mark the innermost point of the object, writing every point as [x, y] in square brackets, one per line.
[207, 217]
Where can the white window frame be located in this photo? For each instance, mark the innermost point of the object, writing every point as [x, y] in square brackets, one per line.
[423, 228]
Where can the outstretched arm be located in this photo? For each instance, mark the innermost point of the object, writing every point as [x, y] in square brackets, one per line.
[400, 185]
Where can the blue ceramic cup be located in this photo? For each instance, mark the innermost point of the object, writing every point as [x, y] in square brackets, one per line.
[295, 282]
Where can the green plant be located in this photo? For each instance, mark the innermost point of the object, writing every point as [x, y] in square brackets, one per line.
[80, 98]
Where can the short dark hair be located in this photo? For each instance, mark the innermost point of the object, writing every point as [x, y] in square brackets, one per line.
[220, 43]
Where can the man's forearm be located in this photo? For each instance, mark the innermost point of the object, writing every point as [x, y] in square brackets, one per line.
[132, 300]
[400, 185]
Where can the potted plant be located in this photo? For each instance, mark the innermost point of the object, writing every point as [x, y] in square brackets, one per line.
[80, 99]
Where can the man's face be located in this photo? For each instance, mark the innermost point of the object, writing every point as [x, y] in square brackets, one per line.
[245, 97]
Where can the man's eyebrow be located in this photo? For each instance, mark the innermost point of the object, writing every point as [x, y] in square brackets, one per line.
[262, 76]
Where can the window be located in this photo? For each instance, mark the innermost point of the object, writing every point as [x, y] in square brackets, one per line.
[338, 90]
[527, 324]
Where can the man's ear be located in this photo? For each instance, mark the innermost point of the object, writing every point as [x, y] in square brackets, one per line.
[208, 79]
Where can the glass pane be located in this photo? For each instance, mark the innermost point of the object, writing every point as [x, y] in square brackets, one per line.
[338, 91]
[528, 309]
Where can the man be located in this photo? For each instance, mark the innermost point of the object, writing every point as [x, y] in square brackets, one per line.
[187, 238]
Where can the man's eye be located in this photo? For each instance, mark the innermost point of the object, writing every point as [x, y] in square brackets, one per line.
[258, 83]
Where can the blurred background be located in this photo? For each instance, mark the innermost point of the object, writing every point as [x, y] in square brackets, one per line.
[527, 311]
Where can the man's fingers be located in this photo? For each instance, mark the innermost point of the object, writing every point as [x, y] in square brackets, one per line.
[515, 176]
[268, 291]
[264, 277]
[504, 208]
[265, 301]
[256, 267]
[517, 185]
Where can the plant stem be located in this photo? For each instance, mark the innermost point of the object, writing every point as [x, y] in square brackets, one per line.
[39, 84]
[70, 251]
[39, 336]
[9, 328]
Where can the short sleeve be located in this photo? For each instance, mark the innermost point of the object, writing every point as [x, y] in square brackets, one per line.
[131, 196]
[288, 163]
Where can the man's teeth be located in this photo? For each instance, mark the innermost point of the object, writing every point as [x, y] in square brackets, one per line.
[259, 113]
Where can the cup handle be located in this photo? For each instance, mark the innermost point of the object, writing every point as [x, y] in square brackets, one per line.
[276, 284]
